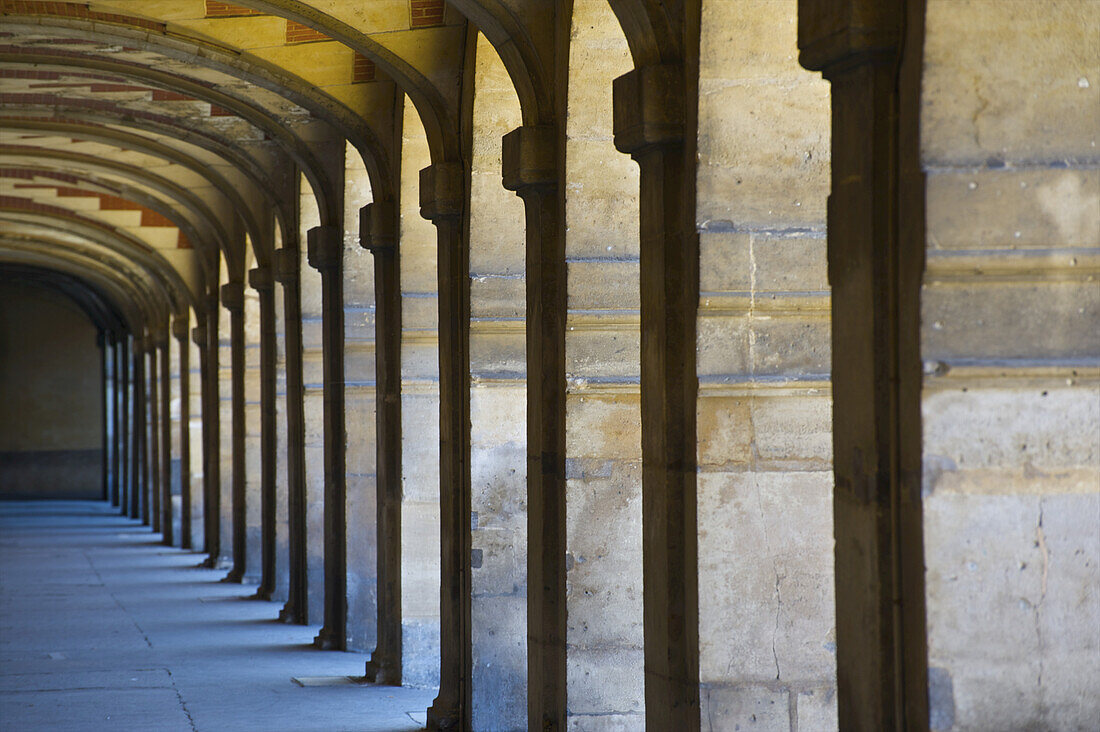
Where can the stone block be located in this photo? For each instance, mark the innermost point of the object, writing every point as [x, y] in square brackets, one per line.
[419, 559]
[794, 430]
[790, 263]
[601, 199]
[1011, 80]
[724, 429]
[607, 425]
[817, 709]
[420, 652]
[605, 348]
[725, 262]
[498, 295]
[497, 352]
[420, 446]
[1026, 429]
[634, 722]
[763, 155]
[603, 680]
[722, 345]
[1013, 209]
[499, 635]
[500, 572]
[419, 310]
[604, 285]
[766, 609]
[1011, 320]
[791, 345]
[745, 707]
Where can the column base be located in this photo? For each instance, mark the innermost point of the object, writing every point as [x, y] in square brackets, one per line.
[443, 716]
[235, 576]
[379, 672]
[326, 640]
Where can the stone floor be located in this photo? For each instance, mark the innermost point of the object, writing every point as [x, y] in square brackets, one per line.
[103, 628]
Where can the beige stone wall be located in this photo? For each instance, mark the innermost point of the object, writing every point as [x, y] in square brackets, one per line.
[603, 412]
[51, 426]
[766, 629]
[420, 579]
[498, 427]
[359, 411]
[313, 399]
[1011, 342]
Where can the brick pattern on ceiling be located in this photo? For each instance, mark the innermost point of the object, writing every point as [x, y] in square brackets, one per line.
[362, 69]
[298, 33]
[426, 13]
[215, 9]
[74, 10]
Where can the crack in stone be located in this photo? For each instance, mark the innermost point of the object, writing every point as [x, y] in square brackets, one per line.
[179, 697]
[778, 610]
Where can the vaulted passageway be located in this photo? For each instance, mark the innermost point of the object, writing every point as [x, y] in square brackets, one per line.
[598, 364]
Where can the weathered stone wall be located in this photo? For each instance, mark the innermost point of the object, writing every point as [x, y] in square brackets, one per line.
[1011, 342]
[603, 412]
[313, 399]
[498, 411]
[419, 418]
[51, 432]
[766, 629]
[359, 417]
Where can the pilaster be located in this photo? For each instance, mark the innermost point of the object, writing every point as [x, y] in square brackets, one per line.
[232, 299]
[285, 272]
[261, 280]
[180, 326]
[443, 193]
[875, 260]
[326, 255]
[378, 227]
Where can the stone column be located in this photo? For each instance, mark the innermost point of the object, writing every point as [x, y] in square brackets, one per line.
[296, 609]
[141, 437]
[442, 199]
[165, 439]
[260, 279]
[179, 331]
[103, 341]
[150, 504]
[116, 418]
[649, 105]
[531, 157]
[232, 296]
[211, 423]
[326, 255]
[378, 226]
[875, 260]
[126, 449]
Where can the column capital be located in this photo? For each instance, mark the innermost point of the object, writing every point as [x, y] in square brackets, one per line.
[198, 335]
[441, 191]
[285, 265]
[529, 157]
[836, 34]
[180, 326]
[260, 279]
[377, 226]
[648, 108]
[325, 248]
[232, 294]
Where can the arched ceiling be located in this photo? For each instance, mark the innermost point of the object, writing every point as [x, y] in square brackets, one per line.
[180, 127]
